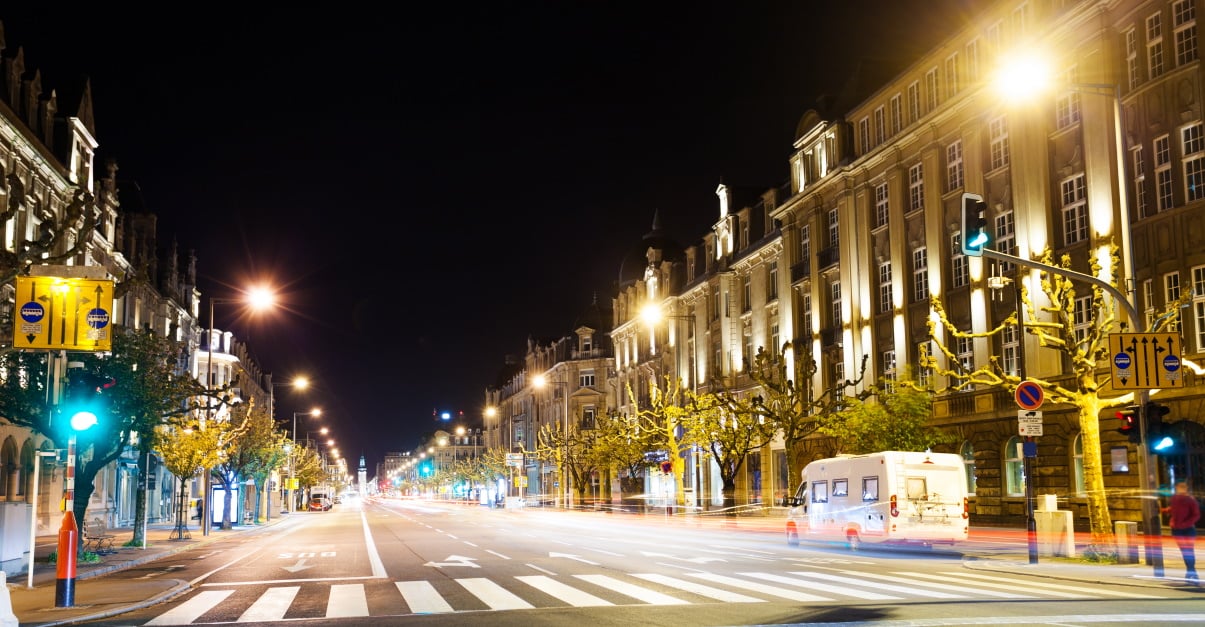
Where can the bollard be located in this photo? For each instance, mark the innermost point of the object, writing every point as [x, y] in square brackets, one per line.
[64, 585]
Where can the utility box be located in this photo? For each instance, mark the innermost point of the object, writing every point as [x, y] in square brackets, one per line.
[1056, 530]
[1127, 541]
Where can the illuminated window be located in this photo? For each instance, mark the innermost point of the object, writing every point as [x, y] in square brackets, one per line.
[954, 170]
[805, 244]
[1014, 468]
[1184, 27]
[880, 127]
[1067, 105]
[968, 461]
[1148, 300]
[916, 187]
[1081, 318]
[998, 129]
[1020, 22]
[881, 206]
[913, 101]
[772, 281]
[972, 64]
[747, 295]
[1011, 350]
[924, 374]
[931, 95]
[774, 338]
[1006, 237]
[834, 228]
[920, 273]
[897, 116]
[889, 371]
[1198, 304]
[835, 294]
[1077, 464]
[585, 379]
[864, 135]
[1075, 210]
[1154, 46]
[1131, 43]
[885, 299]
[965, 348]
[805, 303]
[1193, 144]
[952, 80]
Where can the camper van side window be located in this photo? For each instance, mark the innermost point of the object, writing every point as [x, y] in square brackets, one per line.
[870, 488]
[820, 492]
[916, 489]
[840, 487]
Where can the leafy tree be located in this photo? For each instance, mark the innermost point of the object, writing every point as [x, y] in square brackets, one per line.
[729, 427]
[897, 419]
[186, 451]
[660, 425]
[624, 450]
[1054, 325]
[787, 399]
[255, 448]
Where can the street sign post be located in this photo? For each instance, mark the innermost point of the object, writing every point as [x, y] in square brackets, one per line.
[1029, 395]
[63, 313]
[1029, 423]
[1145, 361]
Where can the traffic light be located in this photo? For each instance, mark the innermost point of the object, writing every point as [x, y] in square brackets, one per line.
[1128, 426]
[974, 225]
[1158, 436]
[86, 400]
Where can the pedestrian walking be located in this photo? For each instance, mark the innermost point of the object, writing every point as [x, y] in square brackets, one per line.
[1183, 514]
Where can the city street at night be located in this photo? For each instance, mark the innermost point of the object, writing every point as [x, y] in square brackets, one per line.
[448, 563]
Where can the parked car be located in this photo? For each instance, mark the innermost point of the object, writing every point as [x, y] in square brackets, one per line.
[320, 504]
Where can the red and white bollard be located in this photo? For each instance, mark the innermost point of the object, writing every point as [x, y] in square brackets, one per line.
[64, 584]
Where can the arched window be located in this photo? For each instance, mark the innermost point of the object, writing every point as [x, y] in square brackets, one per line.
[1077, 463]
[1014, 468]
[968, 460]
[8, 469]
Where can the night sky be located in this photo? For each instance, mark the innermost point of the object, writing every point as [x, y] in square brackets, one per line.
[429, 187]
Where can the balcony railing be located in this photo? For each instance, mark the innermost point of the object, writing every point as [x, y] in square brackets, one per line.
[801, 270]
[828, 257]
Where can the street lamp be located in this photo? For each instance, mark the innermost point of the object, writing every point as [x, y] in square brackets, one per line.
[257, 298]
[1028, 74]
[540, 381]
[289, 490]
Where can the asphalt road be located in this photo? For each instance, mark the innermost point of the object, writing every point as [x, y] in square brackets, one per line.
[423, 563]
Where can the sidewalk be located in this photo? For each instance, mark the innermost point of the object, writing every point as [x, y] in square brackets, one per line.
[97, 596]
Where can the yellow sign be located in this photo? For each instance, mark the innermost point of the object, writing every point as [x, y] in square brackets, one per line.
[59, 313]
[1145, 361]
[521, 481]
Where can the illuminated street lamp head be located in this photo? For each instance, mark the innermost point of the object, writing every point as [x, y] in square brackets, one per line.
[651, 314]
[539, 380]
[460, 430]
[491, 411]
[261, 297]
[1022, 75]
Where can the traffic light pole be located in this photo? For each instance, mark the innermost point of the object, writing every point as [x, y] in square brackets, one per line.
[1146, 466]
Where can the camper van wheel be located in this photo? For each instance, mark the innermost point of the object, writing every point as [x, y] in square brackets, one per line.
[792, 536]
[852, 541]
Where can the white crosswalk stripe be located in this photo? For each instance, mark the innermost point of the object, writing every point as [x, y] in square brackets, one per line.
[600, 590]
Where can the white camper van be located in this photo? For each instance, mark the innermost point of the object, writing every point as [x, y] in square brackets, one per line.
[888, 497]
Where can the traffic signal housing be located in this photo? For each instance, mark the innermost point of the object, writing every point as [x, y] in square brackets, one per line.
[1158, 436]
[974, 225]
[86, 399]
[1128, 423]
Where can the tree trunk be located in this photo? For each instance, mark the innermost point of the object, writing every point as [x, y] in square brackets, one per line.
[1103, 541]
[140, 499]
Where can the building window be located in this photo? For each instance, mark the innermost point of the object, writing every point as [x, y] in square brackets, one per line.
[1171, 288]
[834, 228]
[1184, 27]
[916, 187]
[1014, 468]
[585, 379]
[774, 339]
[1148, 300]
[835, 292]
[897, 115]
[885, 299]
[1154, 46]
[998, 129]
[1020, 22]
[968, 460]
[747, 293]
[1006, 238]
[881, 206]
[931, 96]
[806, 305]
[913, 101]
[959, 269]
[1198, 304]
[1066, 107]
[1193, 143]
[747, 344]
[888, 374]
[1075, 210]
[920, 273]
[1139, 182]
[924, 374]
[952, 75]
[880, 127]
[772, 281]
[1077, 464]
[805, 244]
[966, 354]
[1131, 39]
[995, 37]
[1009, 342]
[1163, 173]
[864, 135]
[1081, 318]
[954, 166]
[588, 417]
[715, 303]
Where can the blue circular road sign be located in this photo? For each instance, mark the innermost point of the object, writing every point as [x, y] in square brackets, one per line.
[98, 318]
[1122, 360]
[32, 312]
[1029, 395]
[1171, 363]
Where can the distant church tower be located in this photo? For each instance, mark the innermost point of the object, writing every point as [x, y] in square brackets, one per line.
[362, 478]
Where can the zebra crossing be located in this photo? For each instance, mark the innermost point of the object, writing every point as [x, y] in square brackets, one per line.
[316, 601]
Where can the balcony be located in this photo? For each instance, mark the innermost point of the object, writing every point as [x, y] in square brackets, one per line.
[801, 271]
[829, 257]
[830, 336]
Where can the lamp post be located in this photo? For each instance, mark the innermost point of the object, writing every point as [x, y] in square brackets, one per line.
[289, 490]
[540, 382]
[653, 315]
[1027, 75]
[257, 298]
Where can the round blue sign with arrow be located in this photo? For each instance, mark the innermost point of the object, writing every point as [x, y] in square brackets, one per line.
[1029, 395]
[1122, 360]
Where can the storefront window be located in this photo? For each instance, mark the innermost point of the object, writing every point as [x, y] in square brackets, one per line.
[1077, 463]
[1014, 469]
[968, 460]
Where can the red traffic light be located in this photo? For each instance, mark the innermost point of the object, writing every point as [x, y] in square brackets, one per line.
[1128, 417]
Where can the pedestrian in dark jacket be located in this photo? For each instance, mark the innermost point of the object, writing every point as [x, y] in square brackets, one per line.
[1183, 513]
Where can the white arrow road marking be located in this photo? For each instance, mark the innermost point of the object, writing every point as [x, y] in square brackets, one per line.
[162, 571]
[300, 565]
[574, 557]
[455, 560]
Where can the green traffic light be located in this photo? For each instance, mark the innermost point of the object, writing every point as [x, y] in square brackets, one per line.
[83, 420]
[1164, 443]
[978, 240]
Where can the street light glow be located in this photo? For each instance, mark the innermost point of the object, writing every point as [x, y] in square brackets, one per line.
[1022, 75]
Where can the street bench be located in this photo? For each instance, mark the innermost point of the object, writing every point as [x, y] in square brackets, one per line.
[97, 538]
